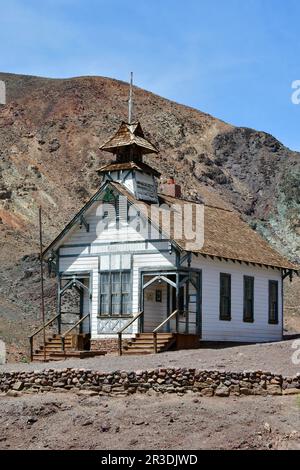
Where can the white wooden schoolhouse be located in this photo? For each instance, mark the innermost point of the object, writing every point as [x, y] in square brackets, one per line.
[144, 288]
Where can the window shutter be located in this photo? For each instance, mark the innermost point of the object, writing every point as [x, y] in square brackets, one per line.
[225, 297]
[273, 302]
[248, 299]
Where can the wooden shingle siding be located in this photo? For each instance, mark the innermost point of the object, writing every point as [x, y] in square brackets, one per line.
[237, 330]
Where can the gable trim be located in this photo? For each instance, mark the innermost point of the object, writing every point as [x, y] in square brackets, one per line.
[78, 217]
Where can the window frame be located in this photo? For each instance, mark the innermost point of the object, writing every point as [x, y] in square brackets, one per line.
[110, 294]
[273, 321]
[158, 295]
[222, 316]
[246, 317]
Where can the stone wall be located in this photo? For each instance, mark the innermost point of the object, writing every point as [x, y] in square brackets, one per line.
[205, 383]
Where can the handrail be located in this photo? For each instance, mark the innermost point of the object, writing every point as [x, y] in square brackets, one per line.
[44, 326]
[63, 337]
[175, 313]
[120, 332]
[38, 331]
[165, 321]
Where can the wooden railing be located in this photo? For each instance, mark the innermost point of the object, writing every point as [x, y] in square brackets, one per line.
[162, 324]
[120, 332]
[42, 328]
[63, 338]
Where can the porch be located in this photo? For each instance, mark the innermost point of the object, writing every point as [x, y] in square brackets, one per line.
[67, 334]
[170, 317]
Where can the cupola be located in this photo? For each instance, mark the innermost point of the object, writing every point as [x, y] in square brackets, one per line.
[129, 146]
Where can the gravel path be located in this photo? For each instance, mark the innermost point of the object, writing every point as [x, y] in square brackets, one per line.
[272, 357]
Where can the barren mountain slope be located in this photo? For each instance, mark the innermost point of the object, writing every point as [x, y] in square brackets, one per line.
[50, 133]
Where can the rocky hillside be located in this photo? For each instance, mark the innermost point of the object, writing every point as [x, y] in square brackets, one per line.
[50, 133]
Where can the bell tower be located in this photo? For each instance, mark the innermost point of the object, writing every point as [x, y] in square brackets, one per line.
[129, 146]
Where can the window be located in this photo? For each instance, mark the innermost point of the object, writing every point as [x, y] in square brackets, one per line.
[115, 298]
[248, 299]
[115, 294]
[104, 294]
[273, 302]
[158, 295]
[225, 297]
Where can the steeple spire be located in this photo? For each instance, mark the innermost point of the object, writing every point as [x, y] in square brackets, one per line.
[129, 143]
[130, 103]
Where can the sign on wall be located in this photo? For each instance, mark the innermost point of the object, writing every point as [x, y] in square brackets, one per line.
[145, 187]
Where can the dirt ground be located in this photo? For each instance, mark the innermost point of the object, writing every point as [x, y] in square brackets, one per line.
[271, 357]
[151, 421]
[67, 421]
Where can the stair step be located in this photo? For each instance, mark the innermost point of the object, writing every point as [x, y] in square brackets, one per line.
[146, 346]
[57, 346]
[59, 356]
[136, 352]
[41, 358]
[150, 335]
[143, 343]
[58, 340]
[149, 341]
[51, 350]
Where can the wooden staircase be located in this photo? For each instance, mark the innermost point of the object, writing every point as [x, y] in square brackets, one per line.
[53, 346]
[54, 350]
[143, 343]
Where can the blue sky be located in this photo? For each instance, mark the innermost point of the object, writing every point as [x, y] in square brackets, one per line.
[233, 59]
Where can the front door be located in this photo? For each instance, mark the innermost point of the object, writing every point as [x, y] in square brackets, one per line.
[155, 305]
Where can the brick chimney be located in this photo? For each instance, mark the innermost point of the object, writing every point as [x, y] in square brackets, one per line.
[170, 188]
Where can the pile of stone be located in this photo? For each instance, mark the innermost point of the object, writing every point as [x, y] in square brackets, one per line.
[173, 380]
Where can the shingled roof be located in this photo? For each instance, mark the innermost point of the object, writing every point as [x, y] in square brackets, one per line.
[226, 235]
[141, 166]
[129, 135]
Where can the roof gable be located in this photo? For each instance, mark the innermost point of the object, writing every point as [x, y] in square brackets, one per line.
[226, 235]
